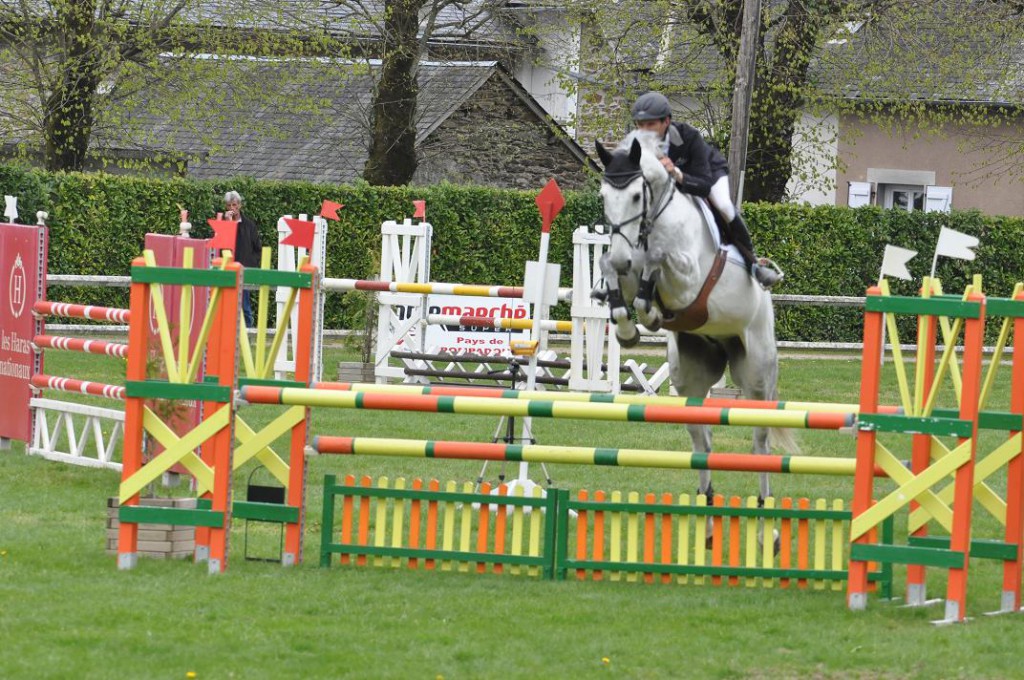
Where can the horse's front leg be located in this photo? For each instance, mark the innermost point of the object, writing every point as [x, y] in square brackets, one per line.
[647, 312]
[700, 435]
[626, 331]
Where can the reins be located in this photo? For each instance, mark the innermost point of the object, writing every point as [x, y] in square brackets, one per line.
[619, 181]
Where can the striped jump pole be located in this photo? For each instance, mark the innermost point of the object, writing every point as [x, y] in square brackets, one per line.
[583, 455]
[476, 405]
[497, 322]
[94, 312]
[587, 397]
[49, 382]
[114, 349]
[434, 288]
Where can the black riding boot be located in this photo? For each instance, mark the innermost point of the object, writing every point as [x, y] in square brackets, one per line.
[740, 237]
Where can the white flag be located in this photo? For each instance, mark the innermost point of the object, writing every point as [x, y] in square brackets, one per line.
[894, 262]
[953, 243]
[11, 211]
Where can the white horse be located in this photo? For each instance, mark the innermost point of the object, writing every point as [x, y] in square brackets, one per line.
[662, 252]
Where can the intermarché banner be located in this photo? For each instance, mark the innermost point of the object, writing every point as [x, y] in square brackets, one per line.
[22, 282]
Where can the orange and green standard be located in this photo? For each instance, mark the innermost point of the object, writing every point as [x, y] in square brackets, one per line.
[917, 485]
[213, 435]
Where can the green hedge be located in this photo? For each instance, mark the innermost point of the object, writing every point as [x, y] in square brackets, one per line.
[99, 221]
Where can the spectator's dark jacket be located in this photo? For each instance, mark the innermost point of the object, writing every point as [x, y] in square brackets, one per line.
[248, 246]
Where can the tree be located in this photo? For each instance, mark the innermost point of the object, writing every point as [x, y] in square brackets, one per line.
[401, 36]
[392, 158]
[71, 68]
[813, 55]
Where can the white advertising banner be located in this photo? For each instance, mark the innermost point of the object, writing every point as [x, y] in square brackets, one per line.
[474, 339]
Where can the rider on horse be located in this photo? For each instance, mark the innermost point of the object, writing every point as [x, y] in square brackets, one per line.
[700, 169]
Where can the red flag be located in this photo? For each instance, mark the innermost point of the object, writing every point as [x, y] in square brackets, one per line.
[224, 233]
[421, 209]
[550, 202]
[302, 233]
[330, 210]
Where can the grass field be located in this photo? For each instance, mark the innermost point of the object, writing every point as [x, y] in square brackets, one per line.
[66, 612]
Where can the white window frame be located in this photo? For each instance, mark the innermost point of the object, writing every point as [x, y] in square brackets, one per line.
[888, 192]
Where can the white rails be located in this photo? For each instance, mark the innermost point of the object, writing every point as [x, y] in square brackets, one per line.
[288, 258]
[404, 258]
[592, 336]
[48, 436]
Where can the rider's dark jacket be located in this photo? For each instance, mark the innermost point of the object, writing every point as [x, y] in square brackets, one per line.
[701, 163]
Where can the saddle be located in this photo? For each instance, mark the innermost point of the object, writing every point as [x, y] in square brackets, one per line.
[695, 314]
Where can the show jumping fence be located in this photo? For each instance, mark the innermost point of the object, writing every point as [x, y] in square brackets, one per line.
[598, 536]
[68, 432]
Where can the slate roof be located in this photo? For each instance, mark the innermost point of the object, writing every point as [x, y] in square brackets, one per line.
[933, 56]
[940, 58]
[467, 20]
[264, 138]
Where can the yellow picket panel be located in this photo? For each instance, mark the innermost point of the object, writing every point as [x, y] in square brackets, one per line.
[380, 528]
[535, 531]
[397, 522]
[615, 536]
[700, 540]
[632, 536]
[750, 556]
[466, 527]
[448, 536]
[683, 542]
[820, 536]
[517, 529]
[838, 542]
[768, 543]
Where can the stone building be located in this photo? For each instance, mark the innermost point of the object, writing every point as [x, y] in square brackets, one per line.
[475, 125]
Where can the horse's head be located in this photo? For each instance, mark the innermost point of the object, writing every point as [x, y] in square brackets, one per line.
[633, 178]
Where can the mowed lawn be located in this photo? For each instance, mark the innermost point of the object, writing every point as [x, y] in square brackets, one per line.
[67, 612]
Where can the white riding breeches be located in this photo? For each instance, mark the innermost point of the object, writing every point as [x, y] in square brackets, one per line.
[721, 200]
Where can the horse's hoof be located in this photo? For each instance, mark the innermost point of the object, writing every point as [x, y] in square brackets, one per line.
[709, 543]
[654, 326]
[619, 314]
[629, 342]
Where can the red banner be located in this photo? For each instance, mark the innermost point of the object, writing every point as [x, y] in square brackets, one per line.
[22, 282]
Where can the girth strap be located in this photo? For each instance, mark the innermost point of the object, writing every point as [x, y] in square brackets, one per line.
[695, 314]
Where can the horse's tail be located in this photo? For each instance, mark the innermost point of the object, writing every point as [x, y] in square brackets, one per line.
[783, 438]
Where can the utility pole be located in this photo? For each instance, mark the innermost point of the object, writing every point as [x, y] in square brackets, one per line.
[746, 65]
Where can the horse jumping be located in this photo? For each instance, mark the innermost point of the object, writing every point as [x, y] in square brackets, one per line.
[663, 252]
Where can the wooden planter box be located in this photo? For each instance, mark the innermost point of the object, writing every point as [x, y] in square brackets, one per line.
[355, 371]
[162, 541]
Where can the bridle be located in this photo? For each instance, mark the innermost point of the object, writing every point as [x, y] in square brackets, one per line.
[620, 180]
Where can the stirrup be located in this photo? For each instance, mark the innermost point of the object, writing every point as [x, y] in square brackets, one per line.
[771, 269]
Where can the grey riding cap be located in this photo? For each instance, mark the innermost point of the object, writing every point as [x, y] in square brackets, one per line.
[652, 106]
